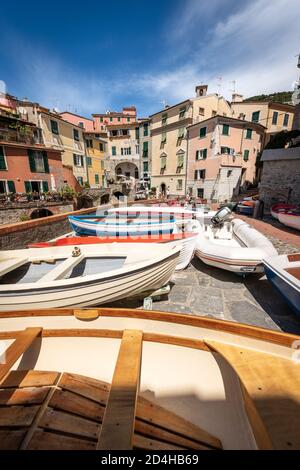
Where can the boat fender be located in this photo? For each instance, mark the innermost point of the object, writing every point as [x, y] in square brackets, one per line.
[76, 252]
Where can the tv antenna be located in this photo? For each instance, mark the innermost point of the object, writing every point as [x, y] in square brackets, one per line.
[233, 89]
[164, 103]
[220, 84]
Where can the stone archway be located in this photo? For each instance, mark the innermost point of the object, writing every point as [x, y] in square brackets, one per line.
[39, 213]
[127, 169]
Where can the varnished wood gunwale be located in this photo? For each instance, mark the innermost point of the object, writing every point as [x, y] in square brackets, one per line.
[239, 329]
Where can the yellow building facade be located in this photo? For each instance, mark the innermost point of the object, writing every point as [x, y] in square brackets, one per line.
[169, 139]
[95, 153]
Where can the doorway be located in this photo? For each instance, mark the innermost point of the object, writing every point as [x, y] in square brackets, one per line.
[35, 186]
[163, 189]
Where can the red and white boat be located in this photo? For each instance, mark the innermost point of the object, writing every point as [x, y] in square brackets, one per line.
[280, 208]
[290, 218]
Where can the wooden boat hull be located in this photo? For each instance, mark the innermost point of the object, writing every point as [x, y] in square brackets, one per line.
[290, 220]
[288, 286]
[190, 382]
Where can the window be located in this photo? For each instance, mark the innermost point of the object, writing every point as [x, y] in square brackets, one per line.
[228, 150]
[78, 160]
[89, 143]
[146, 129]
[137, 133]
[7, 187]
[201, 154]
[286, 120]
[137, 149]
[201, 111]
[179, 185]
[202, 132]
[125, 132]
[180, 162]
[111, 119]
[213, 113]
[225, 129]
[163, 137]
[145, 149]
[255, 116]
[80, 180]
[3, 165]
[145, 167]
[101, 119]
[199, 175]
[163, 164]
[96, 178]
[76, 134]
[181, 131]
[81, 124]
[101, 147]
[275, 118]
[54, 127]
[182, 112]
[126, 151]
[114, 133]
[248, 133]
[164, 119]
[89, 161]
[246, 155]
[119, 119]
[200, 192]
[128, 119]
[114, 150]
[45, 186]
[38, 161]
[3, 189]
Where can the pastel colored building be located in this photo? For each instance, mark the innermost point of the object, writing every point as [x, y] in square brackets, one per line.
[95, 154]
[275, 117]
[169, 138]
[145, 150]
[126, 116]
[26, 165]
[222, 153]
[80, 121]
[58, 134]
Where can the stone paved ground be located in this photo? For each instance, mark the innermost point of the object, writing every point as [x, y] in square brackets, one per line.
[206, 291]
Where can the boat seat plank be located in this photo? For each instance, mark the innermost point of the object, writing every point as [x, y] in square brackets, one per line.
[62, 269]
[157, 415]
[272, 383]
[295, 272]
[16, 416]
[11, 264]
[23, 342]
[145, 443]
[23, 396]
[70, 424]
[44, 440]
[294, 257]
[11, 439]
[29, 378]
[72, 403]
[119, 417]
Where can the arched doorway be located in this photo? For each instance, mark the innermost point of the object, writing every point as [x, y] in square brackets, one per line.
[39, 213]
[163, 189]
[127, 169]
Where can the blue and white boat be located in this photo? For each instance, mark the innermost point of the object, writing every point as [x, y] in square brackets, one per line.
[120, 226]
[283, 272]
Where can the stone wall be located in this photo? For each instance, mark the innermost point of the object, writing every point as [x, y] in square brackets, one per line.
[11, 215]
[280, 179]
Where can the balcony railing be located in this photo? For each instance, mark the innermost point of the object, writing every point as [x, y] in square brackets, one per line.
[15, 136]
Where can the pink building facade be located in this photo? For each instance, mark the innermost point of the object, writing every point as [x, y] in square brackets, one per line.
[127, 116]
[85, 123]
[222, 154]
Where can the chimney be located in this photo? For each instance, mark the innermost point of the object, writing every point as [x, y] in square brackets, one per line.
[237, 98]
[201, 90]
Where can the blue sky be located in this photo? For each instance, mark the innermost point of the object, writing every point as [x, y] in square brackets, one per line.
[99, 55]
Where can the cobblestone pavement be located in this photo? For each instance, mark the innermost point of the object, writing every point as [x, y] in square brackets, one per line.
[206, 291]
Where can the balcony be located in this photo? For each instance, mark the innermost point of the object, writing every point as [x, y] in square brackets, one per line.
[23, 136]
[231, 160]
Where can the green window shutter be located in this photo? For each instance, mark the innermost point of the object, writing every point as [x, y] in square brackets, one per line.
[249, 134]
[81, 160]
[54, 127]
[74, 159]
[180, 160]
[197, 154]
[145, 146]
[145, 167]
[181, 132]
[2, 159]
[46, 164]
[96, 178]
[275, 118]
[204, 153]
[202, 132]
[11, 186]
[286, 120]
[114, 150]
[137, 133]
[255, 116]
[246, 155]
[31, 160]
[45, 186]
[27, 186]
[89, 161]
[225, 130]
[164, 138]
[145, 130]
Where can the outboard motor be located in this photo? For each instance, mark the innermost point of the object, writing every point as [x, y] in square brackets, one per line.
[219, 218]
